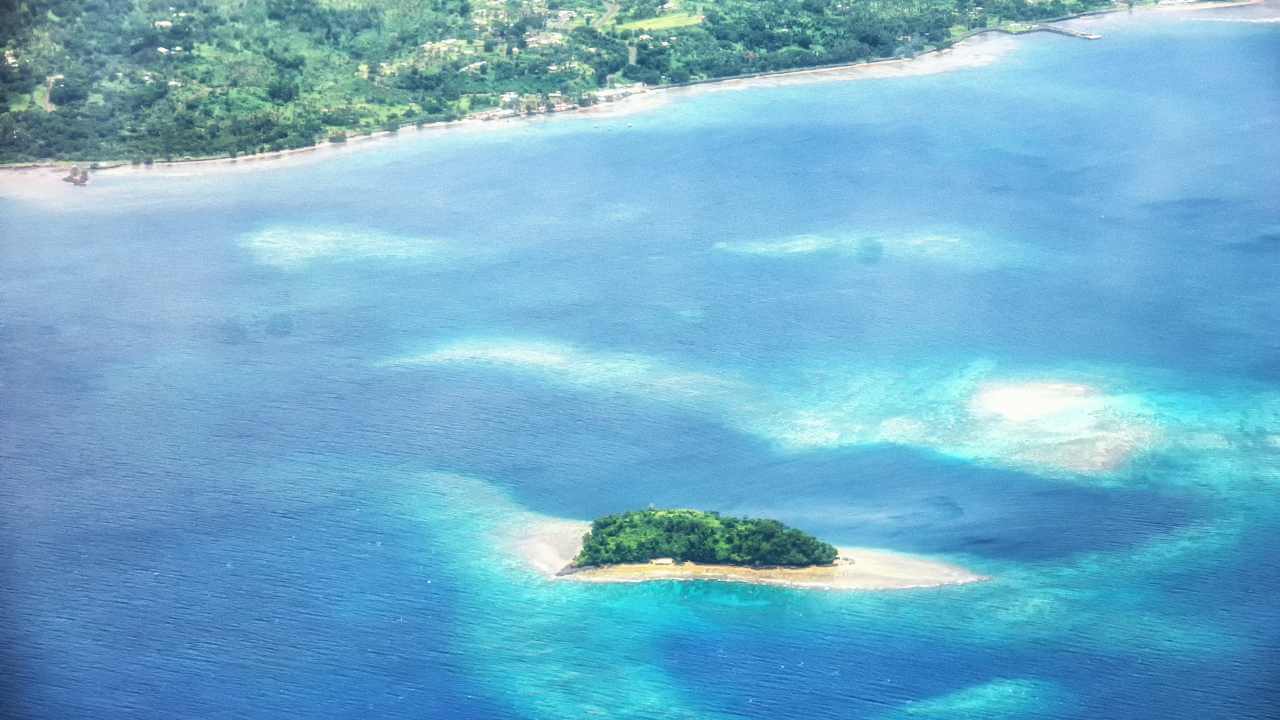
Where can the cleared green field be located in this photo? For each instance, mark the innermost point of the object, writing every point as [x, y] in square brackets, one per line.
[19, 102]
[666, 22]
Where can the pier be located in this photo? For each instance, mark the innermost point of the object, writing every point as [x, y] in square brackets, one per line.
[1027, 30]
[1065, 31]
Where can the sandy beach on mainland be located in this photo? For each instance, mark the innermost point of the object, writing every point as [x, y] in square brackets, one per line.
[548, 545]
[42, 182]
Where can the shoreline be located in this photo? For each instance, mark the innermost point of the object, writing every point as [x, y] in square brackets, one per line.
[976, 49]
[636, 103]
[548, 546]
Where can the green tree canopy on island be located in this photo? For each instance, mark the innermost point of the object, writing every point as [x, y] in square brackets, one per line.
[703, 537]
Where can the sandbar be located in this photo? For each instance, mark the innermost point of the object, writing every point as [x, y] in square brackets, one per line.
[548, 545]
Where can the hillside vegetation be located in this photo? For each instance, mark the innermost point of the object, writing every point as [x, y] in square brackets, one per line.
[703, 537]
[164, 79]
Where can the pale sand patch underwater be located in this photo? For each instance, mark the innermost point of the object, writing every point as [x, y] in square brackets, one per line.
[291, 247]
[1023, 402]
[549, 545]
[1000, 698]
[1068, 425]
[1047, 425]
[965, 249]
[618, 372]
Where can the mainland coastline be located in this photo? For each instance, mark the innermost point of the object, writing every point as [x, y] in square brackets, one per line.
[44, 181]
[549, 545]
[980, 50]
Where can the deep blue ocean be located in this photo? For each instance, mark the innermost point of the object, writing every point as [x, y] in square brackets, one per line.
[261, 431]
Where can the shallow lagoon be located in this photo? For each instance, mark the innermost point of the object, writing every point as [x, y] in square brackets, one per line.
[261, 429]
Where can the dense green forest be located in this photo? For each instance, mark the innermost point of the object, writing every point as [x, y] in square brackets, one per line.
[699, 537]
[163, 79]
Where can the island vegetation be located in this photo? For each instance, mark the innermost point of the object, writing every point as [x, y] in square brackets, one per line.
[700, 537]
[144, 80]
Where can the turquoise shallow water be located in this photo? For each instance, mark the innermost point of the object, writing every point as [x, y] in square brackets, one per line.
[262, 432]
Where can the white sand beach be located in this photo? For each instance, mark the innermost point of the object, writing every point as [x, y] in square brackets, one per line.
[548, 545]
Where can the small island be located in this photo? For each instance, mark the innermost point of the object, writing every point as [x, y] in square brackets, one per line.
[683, 544]
[701, 537]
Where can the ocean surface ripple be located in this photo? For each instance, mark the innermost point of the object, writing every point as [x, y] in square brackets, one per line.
[265, 435]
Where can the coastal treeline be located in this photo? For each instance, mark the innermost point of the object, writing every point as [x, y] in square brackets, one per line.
[703, 537]
[164, 79]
